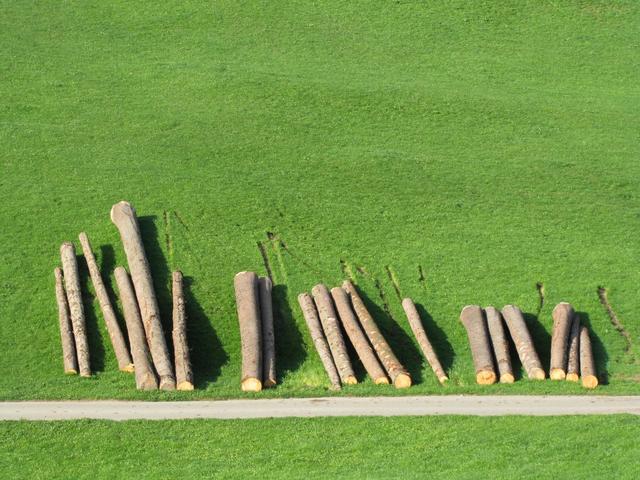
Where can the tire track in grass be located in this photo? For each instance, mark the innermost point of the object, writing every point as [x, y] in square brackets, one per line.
[613, 317]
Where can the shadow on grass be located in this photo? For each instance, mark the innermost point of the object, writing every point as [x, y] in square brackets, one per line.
[107, 266]
[437, 337]
[94, 337]
[541, 339]
[600, 355]
[290, 352]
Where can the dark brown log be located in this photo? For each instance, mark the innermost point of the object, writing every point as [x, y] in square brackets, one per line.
[69, 359]
[500, 343]
[268, 339]
[421, 336]
[317, 335]
[124, 217]
[573, 363]
[143, 369]
[184, 374]
[587, 364]
[248, 306]
[115, 334]
[523, 341]
[397, 373]
[76, 308]
[478, 334]
[562, 316]
[357, 337]
[331, 327]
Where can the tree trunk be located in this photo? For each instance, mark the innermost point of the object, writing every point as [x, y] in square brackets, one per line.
[247, 303]
[124, 217]
[357, 337]
[399, 376]
[587, 364]
[268, 340]
[184, 375]
[115, 334]
[66, 333]
[500, 344]
[76, 308]
[421, 336]
[524, 344]
[145, 376]
[331, 327]
[573, 364]
[562, 316]
[473, 321]
[315, 329]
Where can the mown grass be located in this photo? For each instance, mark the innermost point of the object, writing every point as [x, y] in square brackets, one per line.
[469, 150]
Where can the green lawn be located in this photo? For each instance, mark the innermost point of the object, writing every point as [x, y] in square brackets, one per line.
[469, 150]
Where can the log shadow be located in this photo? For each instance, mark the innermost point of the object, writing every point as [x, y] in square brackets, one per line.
[107, 266]
[94, 336]
[541, 339]
[290, 352]
[438, 338]
[600, 355]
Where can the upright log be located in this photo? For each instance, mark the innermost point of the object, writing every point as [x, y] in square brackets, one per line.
[357, 337]
[397, 373]
[248, 306]
[523, 341]
[500, 343]
[473, 321]
[573, 364]
[184, 375]
[587, 364]
[124, 217]
[331, 327]
[115, 334]
[421, 336]
[319, 341]
[265, 287]
[76, 308]
[143, 369]
[562, 316]
[69, 359]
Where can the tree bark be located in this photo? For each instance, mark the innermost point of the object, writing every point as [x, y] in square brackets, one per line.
[587, 364]
[357, 337]
[247, 302]
[317, 335]
[331, 327]
[500, 344]
[523, 341]
[184, 374]
[268, 340]
[66, 333]
[421, 336]
[145, 376]
[397, 373]
[76, 308]
[124, 217]
[115, 334]
[473, 321]
[573, 364]
[562, 316]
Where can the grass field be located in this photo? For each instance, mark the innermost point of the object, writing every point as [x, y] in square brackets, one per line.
[455, 152]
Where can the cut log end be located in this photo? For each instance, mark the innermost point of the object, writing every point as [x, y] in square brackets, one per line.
[85, 374]
[185, 386]
[572, 377]
[507, 378]
[402, 381]
[350, 380]
[443, 380]
[381, 381]
[128, 368]
[269, 383]
[71, 372]
[557, 374]
[589, 381]
[148, 382]
[251, 385]
[537, 374]
[485, 377]
[167, 383]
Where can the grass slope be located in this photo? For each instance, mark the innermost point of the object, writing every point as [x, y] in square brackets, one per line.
[466, 150]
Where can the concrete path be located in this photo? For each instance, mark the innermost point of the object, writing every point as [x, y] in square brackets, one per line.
[322, 407]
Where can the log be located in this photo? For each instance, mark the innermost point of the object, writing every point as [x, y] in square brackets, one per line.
[124, 217]
[184, 374]
[69, 359]
[421, 337]
[247, 303]
[523, 341]
[562, 316]
[76, 308]
[268, 339]
[573, 363]
[331, 327]
[478, 334]
[587, 364]
[357, 337]
[115, 334]
[319, 341]
[143, 369]
[397, 373]
[500, 343]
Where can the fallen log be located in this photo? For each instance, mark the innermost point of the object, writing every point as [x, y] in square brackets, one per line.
[69, 359]
[397, 373]
[124, 217]
[587, 364]
[247, 303]
[573, 363]
[500, 343]
[562, 316]
[473, 321]
[115, 334]
[143, 369]
[268, 339]
[421, 336]
[184, 374]
[523, 341]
